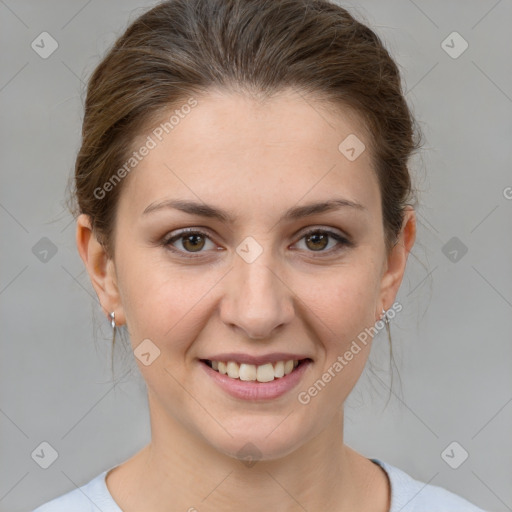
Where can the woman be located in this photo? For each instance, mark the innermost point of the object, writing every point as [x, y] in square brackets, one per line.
[244, 209]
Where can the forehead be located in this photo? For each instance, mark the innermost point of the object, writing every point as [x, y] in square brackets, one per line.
[231, 148]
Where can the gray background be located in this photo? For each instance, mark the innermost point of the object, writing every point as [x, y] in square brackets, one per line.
[452, 341]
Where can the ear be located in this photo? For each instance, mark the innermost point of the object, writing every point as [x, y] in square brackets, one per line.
[101, 269]
[396, 260]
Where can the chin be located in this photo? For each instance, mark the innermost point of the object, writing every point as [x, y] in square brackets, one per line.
[260, 442]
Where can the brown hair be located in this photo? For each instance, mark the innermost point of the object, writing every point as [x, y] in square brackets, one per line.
[181, 48]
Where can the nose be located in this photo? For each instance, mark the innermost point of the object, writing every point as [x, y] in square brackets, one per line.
[257, 301]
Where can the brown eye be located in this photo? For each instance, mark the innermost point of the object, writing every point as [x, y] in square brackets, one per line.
[193, 242]
[317, 241]
[188, 242]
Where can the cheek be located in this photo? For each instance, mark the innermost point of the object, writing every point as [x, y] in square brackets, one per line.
[343, 307]
[161, 301]
[343, 300]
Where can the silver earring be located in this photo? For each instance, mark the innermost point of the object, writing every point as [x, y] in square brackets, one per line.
[113, 319]
[384, 316]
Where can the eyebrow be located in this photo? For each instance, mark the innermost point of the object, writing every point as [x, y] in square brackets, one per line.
[294, 213]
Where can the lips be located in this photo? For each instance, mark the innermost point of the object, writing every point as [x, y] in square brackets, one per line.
[254, 390]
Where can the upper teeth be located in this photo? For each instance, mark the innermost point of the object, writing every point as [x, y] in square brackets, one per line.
[261, 373]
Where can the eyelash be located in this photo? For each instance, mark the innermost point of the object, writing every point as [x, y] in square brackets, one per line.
[342, 241]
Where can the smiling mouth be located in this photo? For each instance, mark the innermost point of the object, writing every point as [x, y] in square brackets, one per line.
[256, 373]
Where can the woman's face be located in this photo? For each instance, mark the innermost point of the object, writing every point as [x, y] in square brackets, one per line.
[256, 285]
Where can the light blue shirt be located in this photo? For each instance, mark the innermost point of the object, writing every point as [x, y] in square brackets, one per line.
[407, 495]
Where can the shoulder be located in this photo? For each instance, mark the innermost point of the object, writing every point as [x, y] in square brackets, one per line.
[410, 495]
[90, 497]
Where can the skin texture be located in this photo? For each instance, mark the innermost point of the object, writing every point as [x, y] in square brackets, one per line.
[254, 159]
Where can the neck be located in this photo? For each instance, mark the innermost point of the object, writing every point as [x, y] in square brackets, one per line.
[182, 469]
